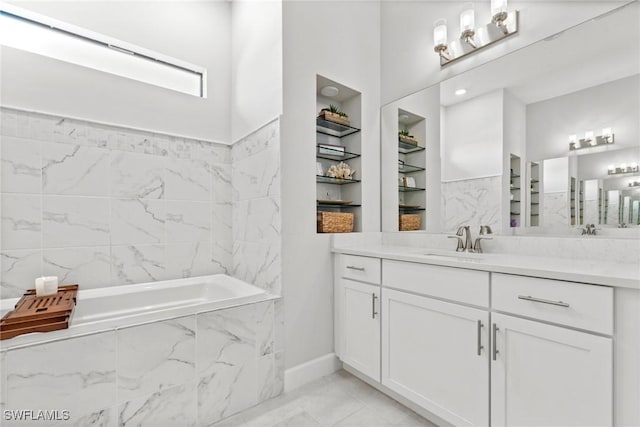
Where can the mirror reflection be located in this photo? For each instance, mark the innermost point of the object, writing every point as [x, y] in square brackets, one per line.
[555, 126]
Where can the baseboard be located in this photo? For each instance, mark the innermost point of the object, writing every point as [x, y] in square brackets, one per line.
[310, 371]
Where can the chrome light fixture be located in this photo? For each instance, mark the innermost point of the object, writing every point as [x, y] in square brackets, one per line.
[623, 168]
[590, 140]
[503, 24]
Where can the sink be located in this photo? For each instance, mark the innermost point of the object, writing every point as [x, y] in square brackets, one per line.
[460, 256]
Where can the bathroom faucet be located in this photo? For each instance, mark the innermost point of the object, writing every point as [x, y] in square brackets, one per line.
[462, 245]
[589, 230]
[484, 229]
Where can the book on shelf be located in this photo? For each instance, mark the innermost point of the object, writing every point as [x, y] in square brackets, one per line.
[335, 150]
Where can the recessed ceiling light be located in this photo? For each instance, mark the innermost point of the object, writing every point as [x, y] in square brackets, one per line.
[329, 91]
[403, 117]
[460, 92]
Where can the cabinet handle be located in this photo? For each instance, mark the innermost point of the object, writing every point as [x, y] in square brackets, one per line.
[495, 345]
[543, 301]
[373, 305]
[353, 267]
[480, 346]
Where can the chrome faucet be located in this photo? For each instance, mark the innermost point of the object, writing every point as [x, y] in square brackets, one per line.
[484, 229]
[589, 230]
[462, 245]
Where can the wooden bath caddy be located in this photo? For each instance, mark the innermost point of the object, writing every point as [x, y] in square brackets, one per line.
[40, 314]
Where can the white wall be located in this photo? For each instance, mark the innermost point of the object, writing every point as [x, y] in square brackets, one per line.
[472, 137]
[196, 32]
[409, 63]
[340, 41]
[256, 52]
[556, 175]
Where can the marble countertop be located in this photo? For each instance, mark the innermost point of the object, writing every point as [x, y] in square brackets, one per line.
[623, 275]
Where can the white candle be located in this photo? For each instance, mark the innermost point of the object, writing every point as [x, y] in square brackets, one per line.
[47, 285]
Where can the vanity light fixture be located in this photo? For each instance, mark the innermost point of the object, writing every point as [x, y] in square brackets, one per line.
[634, 184]
[503, 24]
[590, 140]
[623, 168]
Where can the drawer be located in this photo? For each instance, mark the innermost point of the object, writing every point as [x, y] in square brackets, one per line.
[360, 268]
[581, 306]
[455, 284]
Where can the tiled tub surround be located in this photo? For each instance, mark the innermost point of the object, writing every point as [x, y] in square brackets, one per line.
[102, 205]
[188, 371]
[256, 222]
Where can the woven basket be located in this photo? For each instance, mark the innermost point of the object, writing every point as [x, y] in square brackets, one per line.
[409, 222]
[335, 222]
[336, 118]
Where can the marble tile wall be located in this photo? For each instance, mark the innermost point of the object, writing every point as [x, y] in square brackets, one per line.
[102, 205]
[256, 221]
[189, 371]
[555, 210]
[472, 202]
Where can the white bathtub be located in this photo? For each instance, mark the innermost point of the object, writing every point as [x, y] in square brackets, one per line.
[116, 307]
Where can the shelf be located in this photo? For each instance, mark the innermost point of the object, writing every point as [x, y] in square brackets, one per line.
[534, 204]
[338, 156]
[515, 201]
[407, 168]
[408, 148]
[535, 214]
[535, 192]
[337, 181]
[515, 214]
[334, 129]
[409, 189]
[401, 209]
[515, 176]
[514, 188]
[534, 181]
[331, 206]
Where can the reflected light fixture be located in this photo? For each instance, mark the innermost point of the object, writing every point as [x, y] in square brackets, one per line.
[460, 92]
[623, 168]
[590, 140]
[329, 91]
[503, 24]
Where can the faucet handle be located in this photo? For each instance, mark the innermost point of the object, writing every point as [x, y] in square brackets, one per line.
[460, 247]
[485, 229]
[477, 248]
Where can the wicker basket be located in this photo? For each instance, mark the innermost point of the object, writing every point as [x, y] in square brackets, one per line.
[409, 222]
[336, 118]
[335, 222]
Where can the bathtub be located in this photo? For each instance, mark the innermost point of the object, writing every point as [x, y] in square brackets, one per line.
[186, 352]
[121, 306]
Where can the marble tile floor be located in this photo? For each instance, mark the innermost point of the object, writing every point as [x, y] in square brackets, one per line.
[339, 400]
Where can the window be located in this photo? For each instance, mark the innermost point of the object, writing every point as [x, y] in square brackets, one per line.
[39, 34]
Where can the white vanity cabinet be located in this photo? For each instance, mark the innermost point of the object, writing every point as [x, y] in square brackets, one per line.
[358, 314]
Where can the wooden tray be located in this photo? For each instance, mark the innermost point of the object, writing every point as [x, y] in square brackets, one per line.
[40, 314]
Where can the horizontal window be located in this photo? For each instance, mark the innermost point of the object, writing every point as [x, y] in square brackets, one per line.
[31, 32]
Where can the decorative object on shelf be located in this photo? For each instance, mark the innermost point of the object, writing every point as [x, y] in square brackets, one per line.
[405, 137]
[503, 24]
[634, 184]
[409, 181]
[319, 169]
[589, 140]
[334, 222]
[333, 114]
[623, 168]
[409, 222]
[333, 150]
[341, 171]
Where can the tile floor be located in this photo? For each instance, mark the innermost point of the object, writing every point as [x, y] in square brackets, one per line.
[337, 400]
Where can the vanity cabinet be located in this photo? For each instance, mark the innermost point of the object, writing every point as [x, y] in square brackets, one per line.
[435, 354]
[543, 375]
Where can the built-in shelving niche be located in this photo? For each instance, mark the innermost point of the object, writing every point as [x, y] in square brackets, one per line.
[412, 181]
[339, 195]
[515, 192]
[534, 190]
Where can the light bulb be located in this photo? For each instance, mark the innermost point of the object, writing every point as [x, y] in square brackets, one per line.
[498, 6]
[467, 18]
[440, 33]
[611, 168]
[588, 135]
[634, 165]
[623, 166]
[573, 138]
[606, 132]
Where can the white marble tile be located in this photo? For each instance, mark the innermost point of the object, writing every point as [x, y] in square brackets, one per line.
[264, 138]
[20, 166]
[21, 221]
[259, 264]
[278, 326]
[222, 256]
[264, 321]
[265, 377]
[97, 418]
[221, 221]
[18, 270]
[90, 267]
[137, 264]
[155, 357]
[188, 180]
[138, 176]
[137, 221]
[78, 374]
[41, 126]
[69, 221]
[225, 337]
[74, 170]
[189, 260]
[228, 390]
[22, 129]
[555, 210]
[278, 373]
[472, 202]
[9, 122]
[257, 220]
[221, 187]
[173, 407]
[3, 379]
[131, 140]
[220, 153]
[188, 221]
[257, 176]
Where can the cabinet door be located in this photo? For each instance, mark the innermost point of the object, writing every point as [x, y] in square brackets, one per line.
[546, 375]
[360, 323]
[436, 354]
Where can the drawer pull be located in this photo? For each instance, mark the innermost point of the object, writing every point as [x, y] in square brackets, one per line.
[543, 301]
[353, 267]
[374, 297]
[480, 346]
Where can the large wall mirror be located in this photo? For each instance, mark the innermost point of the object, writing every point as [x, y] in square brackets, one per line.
[546, 140]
